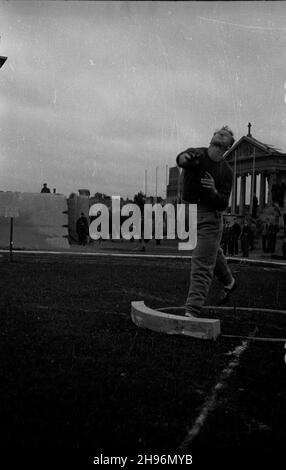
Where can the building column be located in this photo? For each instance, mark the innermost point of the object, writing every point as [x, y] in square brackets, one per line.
[242, 194]
[262, 190]
[234, 195]
[253, 186]
[252, 191]
[269, 198]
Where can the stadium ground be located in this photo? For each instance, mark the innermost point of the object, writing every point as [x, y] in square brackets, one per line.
[78, 376]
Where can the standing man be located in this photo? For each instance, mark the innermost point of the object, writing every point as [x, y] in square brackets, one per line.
[45, 188]
[236, 229]
[231, 241]
[272, 233]
[207, 183]
[82, 229]
[245, 239]
[265, 229]
[225, 238]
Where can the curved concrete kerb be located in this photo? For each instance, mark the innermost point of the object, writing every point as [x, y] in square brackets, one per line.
[155, 320]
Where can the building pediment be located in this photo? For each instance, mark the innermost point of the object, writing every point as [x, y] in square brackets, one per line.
[247, 146]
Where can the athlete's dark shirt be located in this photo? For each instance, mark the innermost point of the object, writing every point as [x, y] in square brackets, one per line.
[194, 192]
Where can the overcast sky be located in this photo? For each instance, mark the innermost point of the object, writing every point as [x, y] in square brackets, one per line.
[94, 93]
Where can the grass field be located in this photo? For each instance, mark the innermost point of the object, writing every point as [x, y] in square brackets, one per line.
[78, 375]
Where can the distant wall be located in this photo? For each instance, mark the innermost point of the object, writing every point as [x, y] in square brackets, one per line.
[40, 221]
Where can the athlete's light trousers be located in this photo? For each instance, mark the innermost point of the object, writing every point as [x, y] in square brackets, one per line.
[207, 259]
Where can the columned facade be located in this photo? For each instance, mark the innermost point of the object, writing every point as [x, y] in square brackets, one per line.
[256, 163]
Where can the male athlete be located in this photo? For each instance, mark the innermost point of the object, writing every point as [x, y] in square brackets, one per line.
[207, 182]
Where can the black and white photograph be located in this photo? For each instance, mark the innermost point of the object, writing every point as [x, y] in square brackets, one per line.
[142, 233]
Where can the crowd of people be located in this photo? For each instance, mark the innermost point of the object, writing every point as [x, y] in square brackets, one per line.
[240, 237]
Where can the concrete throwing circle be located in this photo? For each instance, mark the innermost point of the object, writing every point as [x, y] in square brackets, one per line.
[239, 322]
[152, 319]
[232, 322]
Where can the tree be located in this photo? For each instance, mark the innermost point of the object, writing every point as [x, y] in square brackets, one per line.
[139, 199]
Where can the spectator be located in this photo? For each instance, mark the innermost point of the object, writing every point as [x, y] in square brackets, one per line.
[245, 239]
[252, 227]
[45, 188]
[272, 232]
[225, 238]
[265, 229]
[82, 229]
[230, 244]
[236, 230]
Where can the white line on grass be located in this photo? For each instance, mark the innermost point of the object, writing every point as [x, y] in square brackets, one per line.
[257, 338]
[211, 401]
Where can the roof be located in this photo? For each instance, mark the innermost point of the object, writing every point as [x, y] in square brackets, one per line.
[251, 140]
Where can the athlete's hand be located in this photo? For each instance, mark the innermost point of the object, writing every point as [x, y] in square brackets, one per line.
[209, 183]
[185, 158]
[188, 157]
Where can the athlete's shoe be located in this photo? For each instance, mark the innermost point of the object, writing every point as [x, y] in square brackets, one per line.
[227, 291]
[190, 315]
